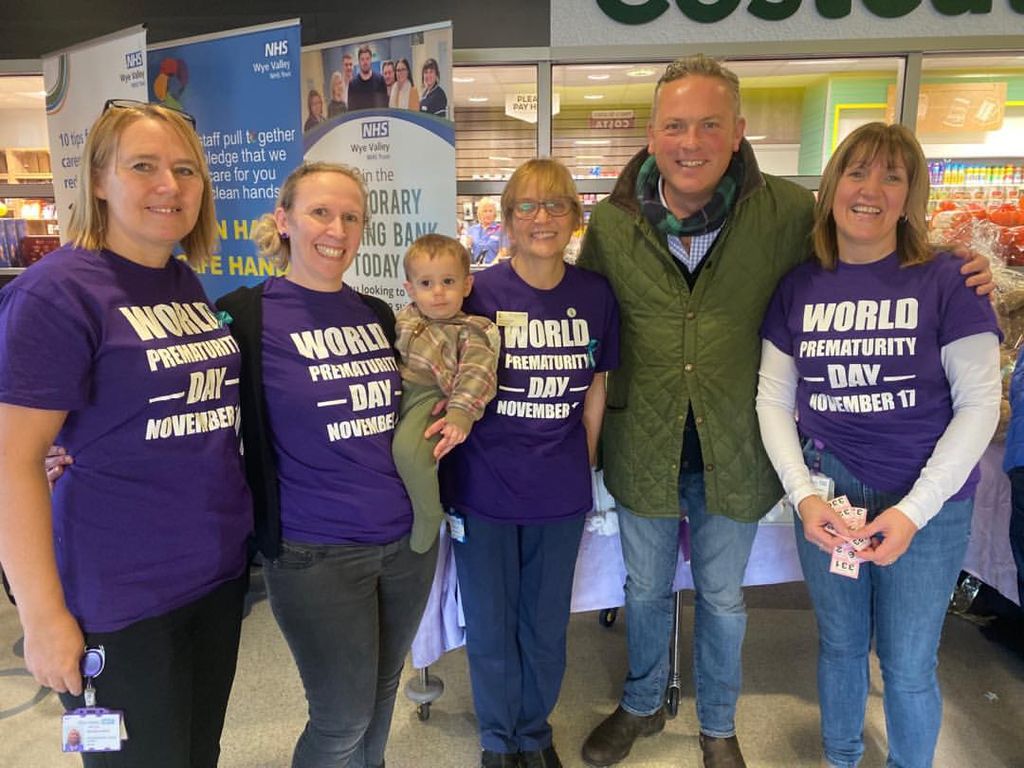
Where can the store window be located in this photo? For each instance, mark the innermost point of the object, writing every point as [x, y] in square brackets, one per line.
[495, 120]
[970, 121]
[797, 110]
[28, 226]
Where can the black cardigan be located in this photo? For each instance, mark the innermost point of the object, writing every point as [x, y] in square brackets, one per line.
[245, 306]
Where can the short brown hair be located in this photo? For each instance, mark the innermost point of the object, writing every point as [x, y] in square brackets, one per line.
[433, 245]
[264, 233]
[87, 228]
[868, 142]
[702, 65]
[548, 175]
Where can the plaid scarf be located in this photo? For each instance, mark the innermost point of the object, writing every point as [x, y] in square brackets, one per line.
[707, 219]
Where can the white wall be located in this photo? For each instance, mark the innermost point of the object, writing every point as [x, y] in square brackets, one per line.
[23, 128]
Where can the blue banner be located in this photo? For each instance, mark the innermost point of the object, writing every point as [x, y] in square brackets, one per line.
[243, 88]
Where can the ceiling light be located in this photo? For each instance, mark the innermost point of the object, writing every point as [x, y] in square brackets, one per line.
[590, 157]
[640, 72]
[598, 77]
[592, 142]
[756, 138]
[499, 159]
[593, 96]
[478, 99]
[457, 79]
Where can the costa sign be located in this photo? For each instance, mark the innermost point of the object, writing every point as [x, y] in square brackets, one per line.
[779, 10]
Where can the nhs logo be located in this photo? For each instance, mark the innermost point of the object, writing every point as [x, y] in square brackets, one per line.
[376, 129]
[276, 48]
[133, 59]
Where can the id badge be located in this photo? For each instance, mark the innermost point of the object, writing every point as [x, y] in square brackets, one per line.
[508, 318]
[457, 527]
[92, 729]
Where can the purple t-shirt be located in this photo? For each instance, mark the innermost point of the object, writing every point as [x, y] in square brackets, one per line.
[866, 340]
[526, 460]
[332, 390]
[155, 512]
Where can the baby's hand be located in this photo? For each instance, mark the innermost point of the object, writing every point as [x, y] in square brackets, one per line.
[451, 435]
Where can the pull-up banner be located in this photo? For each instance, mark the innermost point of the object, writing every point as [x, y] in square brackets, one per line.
[78, 82]
[242, 86]
[387, 115]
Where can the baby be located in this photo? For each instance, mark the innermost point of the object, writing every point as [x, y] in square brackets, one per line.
[444, 353]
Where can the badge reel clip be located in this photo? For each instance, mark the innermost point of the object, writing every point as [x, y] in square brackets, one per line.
[92, 728]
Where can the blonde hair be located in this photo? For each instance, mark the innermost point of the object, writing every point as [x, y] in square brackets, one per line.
[87, 228]
[264, 233]
[892, 143]
[545, 174]
[704, 66]
[486, 201]
[433, 245]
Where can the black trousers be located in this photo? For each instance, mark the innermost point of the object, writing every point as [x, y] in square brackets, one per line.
[171, 675]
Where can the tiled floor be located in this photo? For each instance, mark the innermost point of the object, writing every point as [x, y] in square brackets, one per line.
[983, 684]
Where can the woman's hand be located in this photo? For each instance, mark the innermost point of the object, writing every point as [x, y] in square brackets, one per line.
[57, 459]
[53, 651]
[897, 531]
[815, 514]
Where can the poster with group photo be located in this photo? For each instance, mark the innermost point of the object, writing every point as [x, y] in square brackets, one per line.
[242, 86]
[379, 103]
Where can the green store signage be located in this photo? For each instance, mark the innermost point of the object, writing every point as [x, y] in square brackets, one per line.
[778, 10]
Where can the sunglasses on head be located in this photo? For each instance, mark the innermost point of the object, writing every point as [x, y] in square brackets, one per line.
[133, 104]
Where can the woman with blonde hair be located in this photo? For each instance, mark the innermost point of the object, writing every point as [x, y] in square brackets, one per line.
[892, 366]
[110, 347]
[320, 390]
[338, 103]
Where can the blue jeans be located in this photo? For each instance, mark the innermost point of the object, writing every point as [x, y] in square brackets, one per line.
[349, 614]
[720, 548]
[904, 606]
[516, 587]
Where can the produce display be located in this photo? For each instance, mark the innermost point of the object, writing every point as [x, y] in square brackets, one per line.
[992, 225]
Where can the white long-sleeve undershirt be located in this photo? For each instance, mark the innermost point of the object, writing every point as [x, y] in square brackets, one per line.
[971, 365]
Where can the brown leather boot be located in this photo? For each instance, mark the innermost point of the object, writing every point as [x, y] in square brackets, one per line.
[721, 753]
[611, 741]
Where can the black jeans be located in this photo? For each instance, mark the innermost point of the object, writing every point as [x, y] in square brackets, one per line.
[171, 675]
[349, 614]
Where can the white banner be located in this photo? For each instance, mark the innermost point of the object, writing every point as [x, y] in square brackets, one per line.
[79, 81]
[408, 163]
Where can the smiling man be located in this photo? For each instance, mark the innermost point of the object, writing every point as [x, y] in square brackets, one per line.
[694, 239]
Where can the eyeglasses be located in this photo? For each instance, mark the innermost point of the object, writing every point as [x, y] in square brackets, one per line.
[133, 104]
[528, 209]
